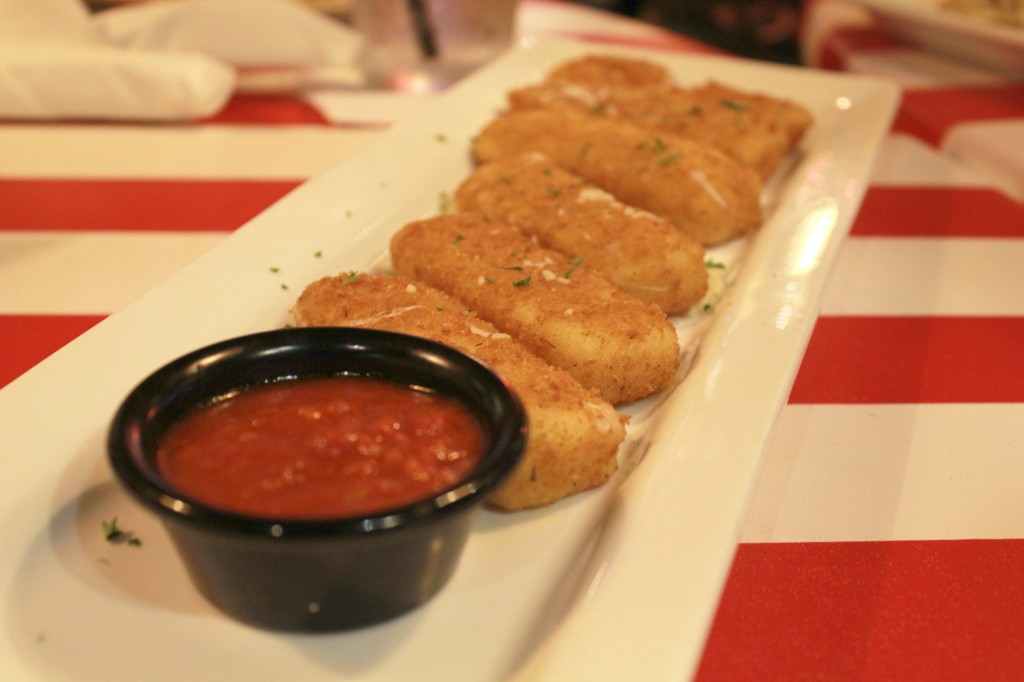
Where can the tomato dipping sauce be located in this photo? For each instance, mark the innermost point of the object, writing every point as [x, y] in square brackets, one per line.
[321, 447]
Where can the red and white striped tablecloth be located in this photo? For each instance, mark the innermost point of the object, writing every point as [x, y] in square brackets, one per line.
[885, 539]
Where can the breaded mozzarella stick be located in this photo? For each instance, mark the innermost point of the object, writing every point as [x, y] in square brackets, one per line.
[639, 252]
[705, 193]
[609, 71]
[755, 129]
[559, 308]
[573, 434]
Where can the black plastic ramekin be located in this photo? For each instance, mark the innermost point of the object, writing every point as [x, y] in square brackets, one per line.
[324, 574]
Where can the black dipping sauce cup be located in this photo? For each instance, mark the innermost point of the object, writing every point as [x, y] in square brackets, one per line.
[323, 574]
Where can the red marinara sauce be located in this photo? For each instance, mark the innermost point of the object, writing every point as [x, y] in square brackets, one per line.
[321, 447]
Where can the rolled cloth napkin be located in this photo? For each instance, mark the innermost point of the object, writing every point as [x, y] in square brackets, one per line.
[243, 33]
[167, 61]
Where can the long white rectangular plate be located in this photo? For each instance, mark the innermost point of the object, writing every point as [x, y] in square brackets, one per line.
[619, 583]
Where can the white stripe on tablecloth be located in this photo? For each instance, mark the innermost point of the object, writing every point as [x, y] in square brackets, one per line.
[993, 148]
[891, 472]
[873, 276]
[927, 276]
[242, 152]
[906, 160]
[92, 272]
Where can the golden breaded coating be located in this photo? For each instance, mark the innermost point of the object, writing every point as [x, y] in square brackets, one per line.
[573, 434]
[705, 193]
[559, 308]
[755, 129]
[610, 71]
[639, 252]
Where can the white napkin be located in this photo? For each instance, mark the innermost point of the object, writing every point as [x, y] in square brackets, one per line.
[162, 61]
[90, 81]
[245, 33]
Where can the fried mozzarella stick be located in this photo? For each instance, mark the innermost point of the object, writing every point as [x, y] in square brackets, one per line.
[639, 252]
[610, 71]
[574, 435]
[705, 193]
[559, 308]
[755, 129]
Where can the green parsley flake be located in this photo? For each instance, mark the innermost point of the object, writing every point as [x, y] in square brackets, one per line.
[666, 160]
[734, 105]
[555, 192]
[659, 145]
[113, 534]
[458, 239]
[110, 530]
[575, 262]
[352, 276]
[713, 264]
[275, 269]
[522, 282]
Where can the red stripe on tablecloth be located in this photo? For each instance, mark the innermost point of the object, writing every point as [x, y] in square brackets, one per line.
[929, 114]
[135, 205]
[267, 110]
[913, 610]
[838, 45]
[912, 360]
[26, 340]
[938, 212]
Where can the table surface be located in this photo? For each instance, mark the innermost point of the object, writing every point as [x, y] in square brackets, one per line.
[885, 537]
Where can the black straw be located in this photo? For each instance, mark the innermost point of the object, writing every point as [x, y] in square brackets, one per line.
[424, 29]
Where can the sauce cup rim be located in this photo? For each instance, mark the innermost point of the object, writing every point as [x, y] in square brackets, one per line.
[173, 389]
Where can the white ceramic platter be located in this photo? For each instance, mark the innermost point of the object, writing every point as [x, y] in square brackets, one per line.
[620, 583]
[924, 23]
